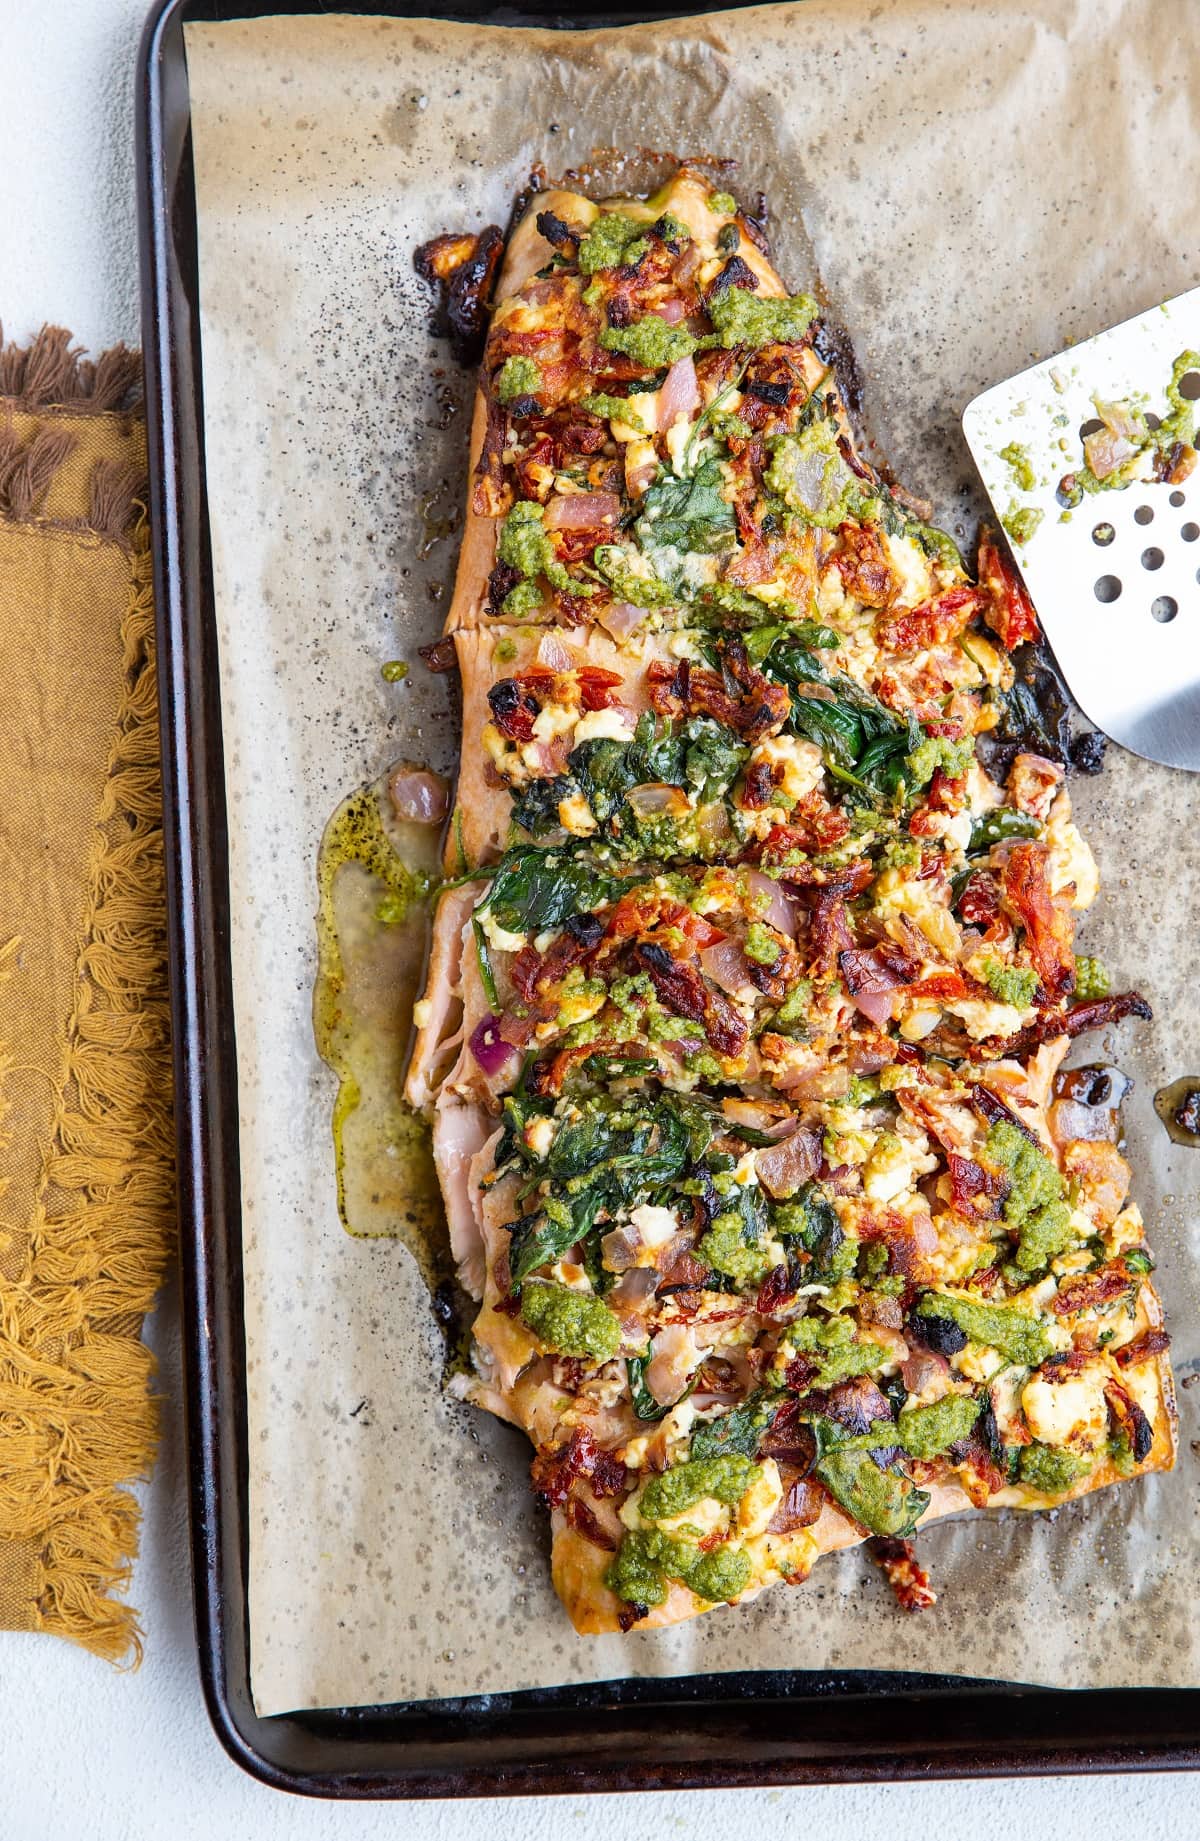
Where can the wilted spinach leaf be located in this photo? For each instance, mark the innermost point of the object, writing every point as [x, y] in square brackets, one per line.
[688, 514]
[737, 1431]
[536, 889]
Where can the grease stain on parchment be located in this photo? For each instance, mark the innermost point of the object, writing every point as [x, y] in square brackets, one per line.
[375, 877]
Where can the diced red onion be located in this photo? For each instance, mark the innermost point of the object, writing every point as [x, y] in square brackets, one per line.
[920, 1368]
[679, 395]
[687, 264]
[419, 797]
[536, 293]
[782, 1168]
[657, 800]
[673, 1355]
[576, 511]
[639, 473]
[924, 1233]
[781, 911]
[672, 311]
[629, 1298]
[726, 964]
[494, 1055]
[620, 1247]
[621, 618]
[876, 1006]
[862, 1058]
[799, 1508]
[758, 1117]
[552, 653]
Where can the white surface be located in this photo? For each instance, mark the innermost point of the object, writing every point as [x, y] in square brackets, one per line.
[88, 1755]
[1145, 695]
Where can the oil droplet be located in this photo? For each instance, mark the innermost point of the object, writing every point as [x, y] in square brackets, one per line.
[434, 530]
[376, 875]
[1178, 1106]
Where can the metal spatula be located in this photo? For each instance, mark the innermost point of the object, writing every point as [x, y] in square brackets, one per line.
[1115, 577]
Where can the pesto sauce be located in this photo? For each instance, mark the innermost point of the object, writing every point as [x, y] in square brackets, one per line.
[1012, 1332]
[927, 1431]
[1049, 1469]
[570, 1322]
[723, 1479]
[650, 342]
[1012, 984]
[517, 376]
[375, 878]
[934, 751]
[1091, 978]
[1019, 463]
[831, 1343]
[1021, 522]
[1034, 1206]
[648, 1558]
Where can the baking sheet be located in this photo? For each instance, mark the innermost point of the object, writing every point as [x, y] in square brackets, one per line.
[972, 187]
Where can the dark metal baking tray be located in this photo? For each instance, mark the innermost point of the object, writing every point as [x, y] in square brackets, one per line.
[778, 1728]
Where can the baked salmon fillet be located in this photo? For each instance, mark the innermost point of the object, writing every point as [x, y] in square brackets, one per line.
[753, 978]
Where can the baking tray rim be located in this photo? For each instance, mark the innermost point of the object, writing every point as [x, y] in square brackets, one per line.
[732, 1730]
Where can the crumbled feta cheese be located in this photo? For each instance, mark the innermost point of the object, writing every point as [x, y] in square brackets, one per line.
[801, 763]
[1128, 1230]
[677, 438]
[1072, 1409]
[604, 725]
[539, 1136]
[982, 1019]
[575, 816]
[553, 719]
[911, 570]
[894, 896]
[745, 1171]
[499, 937]
[761, 1500]
[1070, 861]
[1142, 1382]
[975, 1363]
[655, 1225]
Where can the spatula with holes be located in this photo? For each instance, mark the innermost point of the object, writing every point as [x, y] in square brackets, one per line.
[1114, 572]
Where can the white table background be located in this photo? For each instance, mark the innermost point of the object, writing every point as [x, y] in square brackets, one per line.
[88, 1753]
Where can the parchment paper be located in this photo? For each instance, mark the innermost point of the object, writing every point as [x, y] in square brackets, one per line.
[972, 187]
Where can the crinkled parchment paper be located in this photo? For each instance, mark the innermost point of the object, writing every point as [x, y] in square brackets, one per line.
[973, 186]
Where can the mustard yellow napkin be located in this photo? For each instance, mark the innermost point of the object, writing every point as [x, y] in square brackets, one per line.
[86, 1141]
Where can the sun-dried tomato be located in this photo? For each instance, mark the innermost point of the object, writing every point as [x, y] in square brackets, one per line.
[898, 1563]
[596, 686]
[863, 565]
[1074, 1022]
[973, 1189]
[553, 1472]
[1046, 918]
[740, 697]
[1092, 1290]
[934, 623]
[979, 903]
[684, 992]
[1143, 1348]
[1007, 608]
[514, 709]
[829, 932]
[775, 1290]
